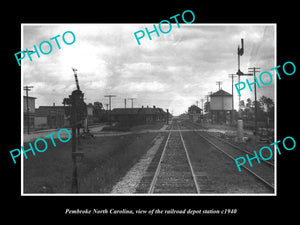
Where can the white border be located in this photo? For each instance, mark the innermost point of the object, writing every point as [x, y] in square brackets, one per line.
[145, 194]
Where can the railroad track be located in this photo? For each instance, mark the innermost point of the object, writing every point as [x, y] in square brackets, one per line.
[262, 173]
[174, 172]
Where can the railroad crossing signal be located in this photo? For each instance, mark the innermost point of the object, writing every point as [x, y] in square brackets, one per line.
[77, 112]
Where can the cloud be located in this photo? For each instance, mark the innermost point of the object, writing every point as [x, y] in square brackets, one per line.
[170, 71]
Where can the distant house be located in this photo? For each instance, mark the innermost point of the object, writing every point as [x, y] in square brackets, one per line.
[125, 115]
[138, 115]
[51, 117]
[194, 113]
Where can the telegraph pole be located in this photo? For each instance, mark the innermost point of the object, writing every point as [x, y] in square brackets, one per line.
[253, 70]
[208, 106]
[232, 76]
[207, 101]
[219, 83]
[109, 99]
[27, 88]
[167, 116]
[202, 100]
[131, 102]
[125, 102]
[242, 74]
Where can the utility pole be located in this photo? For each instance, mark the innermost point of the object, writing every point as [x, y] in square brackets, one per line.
[125, 102]
[27, 88]
[232, 76]
[219, 83]
[209, 111]
[131, 102]
[207, 100]
[254, 70]
[242, 74]
[167, 116]
[240, 52]
[109, 99]
[202, 100]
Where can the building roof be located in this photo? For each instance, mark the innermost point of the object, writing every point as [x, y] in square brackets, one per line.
[194, 108]
[29, 97]
[119, 111]
[220, 93]
[47, 110]
[151, 111]
[143, 110]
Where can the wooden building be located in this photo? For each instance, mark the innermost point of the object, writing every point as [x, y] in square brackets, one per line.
[194, 113]
[138, 115]
[221, 107]
[51, 117]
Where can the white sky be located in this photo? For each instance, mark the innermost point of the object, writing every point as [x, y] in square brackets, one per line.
[171, 71]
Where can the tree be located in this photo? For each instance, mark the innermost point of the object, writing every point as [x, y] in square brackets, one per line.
[206, 107]
[249, 103]
[268, 104]
[98, 111]
[98, 105]
[242, 104]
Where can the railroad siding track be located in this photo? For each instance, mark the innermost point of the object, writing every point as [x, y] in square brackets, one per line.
[264, 172]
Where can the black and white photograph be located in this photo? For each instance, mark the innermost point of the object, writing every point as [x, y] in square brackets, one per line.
[145, 109]
[142, 111]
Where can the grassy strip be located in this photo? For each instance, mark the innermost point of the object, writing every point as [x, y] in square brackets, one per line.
[106, 160]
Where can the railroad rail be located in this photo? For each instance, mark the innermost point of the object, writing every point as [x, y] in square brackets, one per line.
[240, 149]
[174, 172]
[267, 181]
[270, 163]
